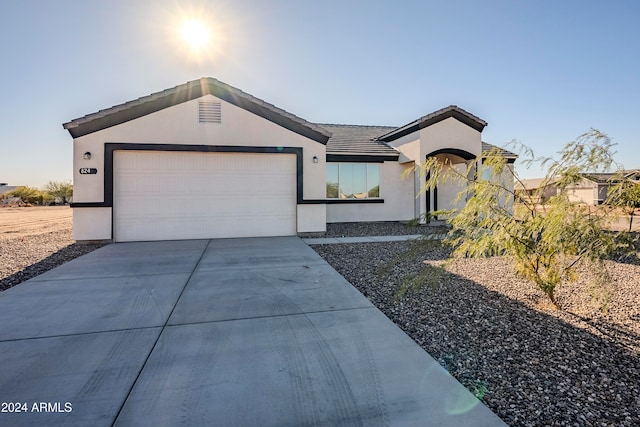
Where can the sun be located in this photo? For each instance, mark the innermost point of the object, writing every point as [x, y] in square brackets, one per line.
[195, 34]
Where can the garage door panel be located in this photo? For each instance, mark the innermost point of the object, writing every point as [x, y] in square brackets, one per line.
[178, 195]
[182, 207]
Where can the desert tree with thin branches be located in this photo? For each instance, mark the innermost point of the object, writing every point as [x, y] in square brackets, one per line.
[546, 242]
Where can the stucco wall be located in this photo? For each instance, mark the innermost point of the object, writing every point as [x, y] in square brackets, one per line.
[398, 195]
[409, 146]
[447, 134]
[586, 191]
[179, 125]
[582, 195]
[312, 218]
[92, 224]
[448, 191]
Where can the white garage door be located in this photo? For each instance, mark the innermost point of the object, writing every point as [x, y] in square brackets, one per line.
[160, 195]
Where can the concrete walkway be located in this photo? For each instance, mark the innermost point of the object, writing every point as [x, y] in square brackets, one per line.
[234, 332]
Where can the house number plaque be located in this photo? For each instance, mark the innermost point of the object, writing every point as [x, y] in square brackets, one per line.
[88, 171]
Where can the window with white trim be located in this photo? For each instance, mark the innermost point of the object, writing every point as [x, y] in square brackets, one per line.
[353, 180]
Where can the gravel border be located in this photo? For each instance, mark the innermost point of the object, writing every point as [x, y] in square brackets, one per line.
[530, 364]
[23, 258]
[390, 228]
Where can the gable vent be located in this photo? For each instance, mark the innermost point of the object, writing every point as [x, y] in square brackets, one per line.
[209, 112]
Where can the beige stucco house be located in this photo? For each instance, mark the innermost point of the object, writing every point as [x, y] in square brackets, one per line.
[591, 189]
[206, 160]
[536, 190]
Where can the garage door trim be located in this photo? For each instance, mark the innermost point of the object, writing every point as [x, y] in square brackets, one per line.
[110, 147]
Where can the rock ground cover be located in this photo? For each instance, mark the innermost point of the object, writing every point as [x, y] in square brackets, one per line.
[35, 240]
[529, 363]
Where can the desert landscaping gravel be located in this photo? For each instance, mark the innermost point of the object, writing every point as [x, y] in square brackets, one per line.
[531, 364]
[24, 258]
[355, 229]
[40, 245]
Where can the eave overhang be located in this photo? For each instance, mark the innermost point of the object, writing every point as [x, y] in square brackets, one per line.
[140, 107]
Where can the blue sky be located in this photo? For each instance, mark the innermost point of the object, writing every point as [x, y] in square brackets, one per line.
[541, 72]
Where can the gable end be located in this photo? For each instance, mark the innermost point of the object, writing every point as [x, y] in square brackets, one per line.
[189, 91]
[452, 111]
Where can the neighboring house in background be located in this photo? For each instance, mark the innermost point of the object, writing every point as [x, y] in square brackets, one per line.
[206, 160]
[592, 189]
[535, 190]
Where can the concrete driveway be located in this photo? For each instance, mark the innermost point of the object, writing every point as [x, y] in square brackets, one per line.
[229, 332]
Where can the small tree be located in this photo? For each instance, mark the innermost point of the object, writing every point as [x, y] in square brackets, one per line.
[62, 191]
[545, 242]
[30, 195]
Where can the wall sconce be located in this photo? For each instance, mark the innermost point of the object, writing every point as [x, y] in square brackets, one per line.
[315, 159]
[86, 155]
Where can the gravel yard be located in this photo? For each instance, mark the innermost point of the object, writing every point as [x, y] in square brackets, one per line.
[34, 240]
[531, 364]
[354, 229]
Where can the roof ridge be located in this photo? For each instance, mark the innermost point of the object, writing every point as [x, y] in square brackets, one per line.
[356, 126]
[448, 108]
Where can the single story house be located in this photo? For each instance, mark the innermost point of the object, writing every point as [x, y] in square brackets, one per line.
[536, 190]
[207, 160]
[592, 189]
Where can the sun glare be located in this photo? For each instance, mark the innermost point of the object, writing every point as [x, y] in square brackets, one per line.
[196, 34]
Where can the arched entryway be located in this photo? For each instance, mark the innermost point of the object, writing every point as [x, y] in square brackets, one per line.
[444, 194]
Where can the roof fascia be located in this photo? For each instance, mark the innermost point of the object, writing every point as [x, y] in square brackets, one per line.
[187, 92]
[429, 120]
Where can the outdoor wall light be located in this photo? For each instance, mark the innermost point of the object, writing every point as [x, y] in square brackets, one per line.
[315, 159]
[86, 155]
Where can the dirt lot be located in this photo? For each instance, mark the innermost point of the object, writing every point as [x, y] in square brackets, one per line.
[34, 240]
[20, 222]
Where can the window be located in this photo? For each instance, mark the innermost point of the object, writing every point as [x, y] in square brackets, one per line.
[353, 180]
[487, 171]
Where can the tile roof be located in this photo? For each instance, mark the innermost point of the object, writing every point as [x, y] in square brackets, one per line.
[533, 183]
[358, 140]
[191, 90]
[340, 139]
[602, 178]
[612, 177]
[504, 153]
[444, 113]
[363, 140]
